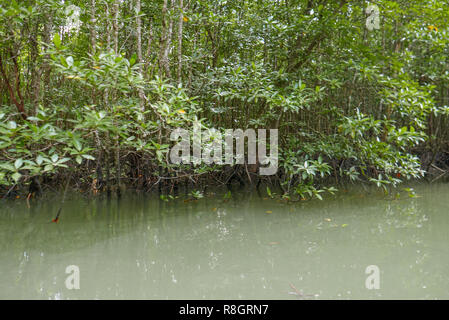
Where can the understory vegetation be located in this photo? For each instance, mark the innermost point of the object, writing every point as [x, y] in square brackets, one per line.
[91, 89]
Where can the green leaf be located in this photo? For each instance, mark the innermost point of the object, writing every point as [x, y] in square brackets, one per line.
[12, 125]
[18, 163]
[77, 144]
[69, 61]
[89, 157]
[57, 40]
[39, 159]
[64, 160]
[133, 59]
[7, 166]
[63, 61]
[33, 119]
[269, 192]
[16, 176]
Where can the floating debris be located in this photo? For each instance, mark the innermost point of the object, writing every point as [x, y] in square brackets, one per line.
[299, 293]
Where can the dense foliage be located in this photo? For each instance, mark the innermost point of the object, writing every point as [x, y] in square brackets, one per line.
[92, 89]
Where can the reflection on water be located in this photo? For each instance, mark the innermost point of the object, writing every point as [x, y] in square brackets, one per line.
[141, 247]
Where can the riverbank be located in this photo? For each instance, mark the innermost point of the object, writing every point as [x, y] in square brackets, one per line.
[197, 187]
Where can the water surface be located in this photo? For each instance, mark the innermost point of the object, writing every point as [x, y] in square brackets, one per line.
[248, 247]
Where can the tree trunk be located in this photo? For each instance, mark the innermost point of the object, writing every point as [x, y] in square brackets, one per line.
[139, 49]
[48, 30]
[181, 20]
[18, 101]
[167, 29]
[92, 28]
[139, 33]
[115, 25]
[148, 53]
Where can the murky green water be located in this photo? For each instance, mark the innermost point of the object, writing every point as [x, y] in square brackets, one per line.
[248, 247]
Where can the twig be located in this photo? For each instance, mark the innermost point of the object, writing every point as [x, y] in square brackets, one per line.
[28, 200]
[56, 219]
[296, 290]
[434, 166]
[299, 293]
[9, 191]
